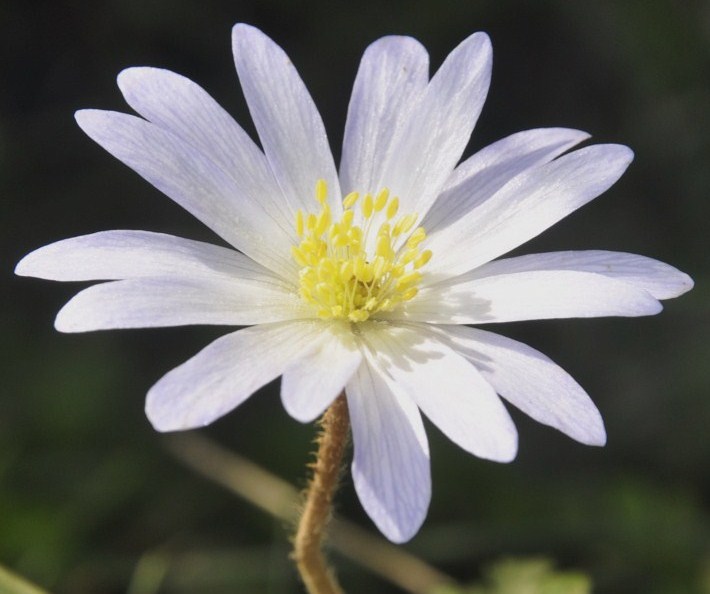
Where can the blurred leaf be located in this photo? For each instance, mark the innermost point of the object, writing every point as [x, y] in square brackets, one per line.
[11, 583]
[526, 576]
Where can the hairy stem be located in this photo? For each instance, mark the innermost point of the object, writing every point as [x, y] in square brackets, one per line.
[307, 547]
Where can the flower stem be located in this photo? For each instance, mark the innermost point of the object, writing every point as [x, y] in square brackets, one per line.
[307, 552]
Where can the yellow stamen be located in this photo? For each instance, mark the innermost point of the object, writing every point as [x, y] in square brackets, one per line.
[345, 276]
[350, 199]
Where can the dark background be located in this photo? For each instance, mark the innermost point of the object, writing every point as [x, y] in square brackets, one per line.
[87, 489]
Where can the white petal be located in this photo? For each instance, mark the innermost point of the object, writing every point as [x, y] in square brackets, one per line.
[180, 106]
[193, 180]
[112, 255]
[391, 459]
[289, 126]
[659, 279]
[178, 301]
[393, 71]
[526, 206]
[447, 388]
[536, 295]
[431, 142]
[225, 373]
[531, 381]
[308, 387]
[488, 170]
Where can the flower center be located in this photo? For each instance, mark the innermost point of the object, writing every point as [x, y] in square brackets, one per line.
[346, 276]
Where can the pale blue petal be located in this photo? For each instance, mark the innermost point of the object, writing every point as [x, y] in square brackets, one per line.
[226, 372]
[531, 381]
[391, 459]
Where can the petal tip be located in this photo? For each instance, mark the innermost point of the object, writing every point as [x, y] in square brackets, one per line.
[24, 266]
[88, 119]
[64, 323]
[242, 31]
[129, 76]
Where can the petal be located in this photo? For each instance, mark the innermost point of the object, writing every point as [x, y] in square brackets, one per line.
[659, 279]
[289, 126]
[439, 126]
[178, 301]
[308, 387]
[112, 255]
[531, 381]
[183, 108]
[535, 295]
[391, 459]
[226, 372]
[191, 179]
[487, 171]
[447, 388]
[393, 72]
[526, 206]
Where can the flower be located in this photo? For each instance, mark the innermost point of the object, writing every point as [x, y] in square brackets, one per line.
[366, 279]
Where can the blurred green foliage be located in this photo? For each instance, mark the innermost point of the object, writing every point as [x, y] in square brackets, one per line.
[90, 502]
[526, 576]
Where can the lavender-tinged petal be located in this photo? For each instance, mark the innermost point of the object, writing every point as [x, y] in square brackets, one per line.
[309, 386]
[447, 388]
[114, 255]
[657, 278]
[192, 180]
[487, 171]
[178, 301]
[536, 295]
[526, 206]
[393, 72]
[183, 108]
[439, 126]
[289, 125]
[226, 372]
[531, 381]
[390, 466]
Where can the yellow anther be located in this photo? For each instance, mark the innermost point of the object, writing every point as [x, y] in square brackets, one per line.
[321, 191]
[384, 230]
[404, 224]
[351, 271]
[323, 221]
[423, 259]
[298, 256]
[358, 315]
[379, 267]
[410, 294]
[367, 206]
[346, 270]
[386, 305]
[350, 199]
[383, 246]
[381, 199]
[408, 279]
[311, 221]
[392, 208]
[416, 238]
[409, 256]
[347, 219]
[359, 267]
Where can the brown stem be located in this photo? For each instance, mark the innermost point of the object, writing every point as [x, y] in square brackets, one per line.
[307, 552]
[278, 498]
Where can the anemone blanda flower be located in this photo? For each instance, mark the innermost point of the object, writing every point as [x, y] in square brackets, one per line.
[366, 279]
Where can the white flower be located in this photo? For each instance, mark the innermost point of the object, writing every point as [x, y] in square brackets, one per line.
[363, 280]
